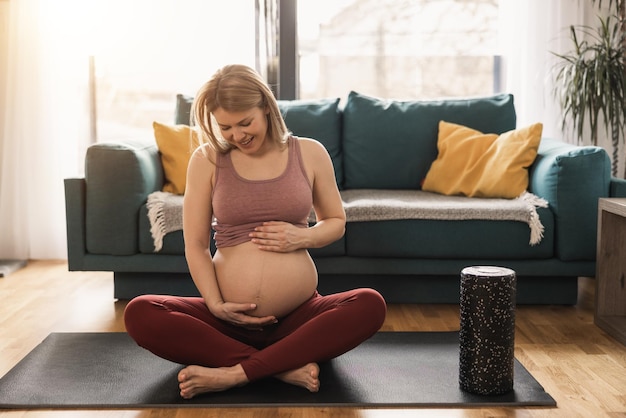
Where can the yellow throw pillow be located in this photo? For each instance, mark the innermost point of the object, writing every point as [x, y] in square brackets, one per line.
[475, 164]
[175, 143]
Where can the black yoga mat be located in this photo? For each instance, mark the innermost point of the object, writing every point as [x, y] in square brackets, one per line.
[393, 369]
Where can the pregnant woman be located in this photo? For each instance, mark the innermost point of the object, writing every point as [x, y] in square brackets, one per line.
[259, 315]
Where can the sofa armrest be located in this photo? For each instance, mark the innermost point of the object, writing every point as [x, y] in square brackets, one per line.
[572, 178]
[618, 187]
[75, 222]
[119, 176]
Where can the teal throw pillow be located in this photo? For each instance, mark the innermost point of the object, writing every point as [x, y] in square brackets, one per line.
[318, 119]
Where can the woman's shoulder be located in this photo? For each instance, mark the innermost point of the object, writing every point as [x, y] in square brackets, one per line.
[313, 152]
[204, 151]
[204, 157]
[310, 144]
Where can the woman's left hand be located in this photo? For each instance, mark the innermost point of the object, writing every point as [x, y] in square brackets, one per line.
[278, 236]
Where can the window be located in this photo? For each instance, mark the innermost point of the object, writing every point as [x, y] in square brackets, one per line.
[143, 52]
[404, 49]
[146, 52]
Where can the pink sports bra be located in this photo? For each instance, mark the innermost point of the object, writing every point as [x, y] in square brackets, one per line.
[239, 204]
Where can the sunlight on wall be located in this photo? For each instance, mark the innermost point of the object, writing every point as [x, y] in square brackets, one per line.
[145, 52]
[159, 40]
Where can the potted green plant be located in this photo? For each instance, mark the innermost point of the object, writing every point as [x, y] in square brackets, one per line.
[590, 80]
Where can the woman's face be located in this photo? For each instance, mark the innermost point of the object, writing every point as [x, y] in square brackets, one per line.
[246, 130]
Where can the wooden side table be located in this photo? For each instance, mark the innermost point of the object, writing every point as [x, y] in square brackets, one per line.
[610, 307]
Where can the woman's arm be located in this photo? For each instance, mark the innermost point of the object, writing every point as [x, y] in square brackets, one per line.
[197, 216]
[331, 217]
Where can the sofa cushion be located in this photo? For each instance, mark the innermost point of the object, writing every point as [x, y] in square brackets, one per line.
[174, 244]
[175, 143]
[447, 239]
[318, 119]
[390, 144]
[476, 164]
[182, 115]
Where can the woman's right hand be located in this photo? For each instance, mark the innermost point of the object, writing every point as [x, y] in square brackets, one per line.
[238, 314]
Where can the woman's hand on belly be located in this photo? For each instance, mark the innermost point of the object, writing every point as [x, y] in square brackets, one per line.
[237, 314]
[278, 236]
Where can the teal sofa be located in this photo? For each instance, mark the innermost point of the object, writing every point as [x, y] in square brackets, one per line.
[374, 144]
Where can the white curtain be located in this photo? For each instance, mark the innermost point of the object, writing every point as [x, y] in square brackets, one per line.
[44, 123]
[532, 31]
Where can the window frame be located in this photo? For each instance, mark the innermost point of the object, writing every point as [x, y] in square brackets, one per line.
[288, 71]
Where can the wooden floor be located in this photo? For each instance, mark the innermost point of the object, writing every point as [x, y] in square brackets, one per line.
[578, 364]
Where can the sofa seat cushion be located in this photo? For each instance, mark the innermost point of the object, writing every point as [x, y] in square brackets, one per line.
[379, 205]
[370, 209]
[418, 224]
[174, 244]
[449, 239]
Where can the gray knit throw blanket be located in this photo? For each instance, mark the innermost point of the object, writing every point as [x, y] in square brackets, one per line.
[365, 205]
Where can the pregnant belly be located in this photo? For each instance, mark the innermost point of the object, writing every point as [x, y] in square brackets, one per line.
[276, 282]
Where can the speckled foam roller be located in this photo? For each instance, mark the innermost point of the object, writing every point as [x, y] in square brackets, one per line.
[487, 331]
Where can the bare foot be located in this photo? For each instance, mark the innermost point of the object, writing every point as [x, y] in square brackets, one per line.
[194, 380]
[306, 376]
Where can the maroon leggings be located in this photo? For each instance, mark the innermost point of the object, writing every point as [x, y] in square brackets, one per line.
[183, 330]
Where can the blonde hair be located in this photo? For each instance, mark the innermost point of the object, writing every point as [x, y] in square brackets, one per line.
[236, 88]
